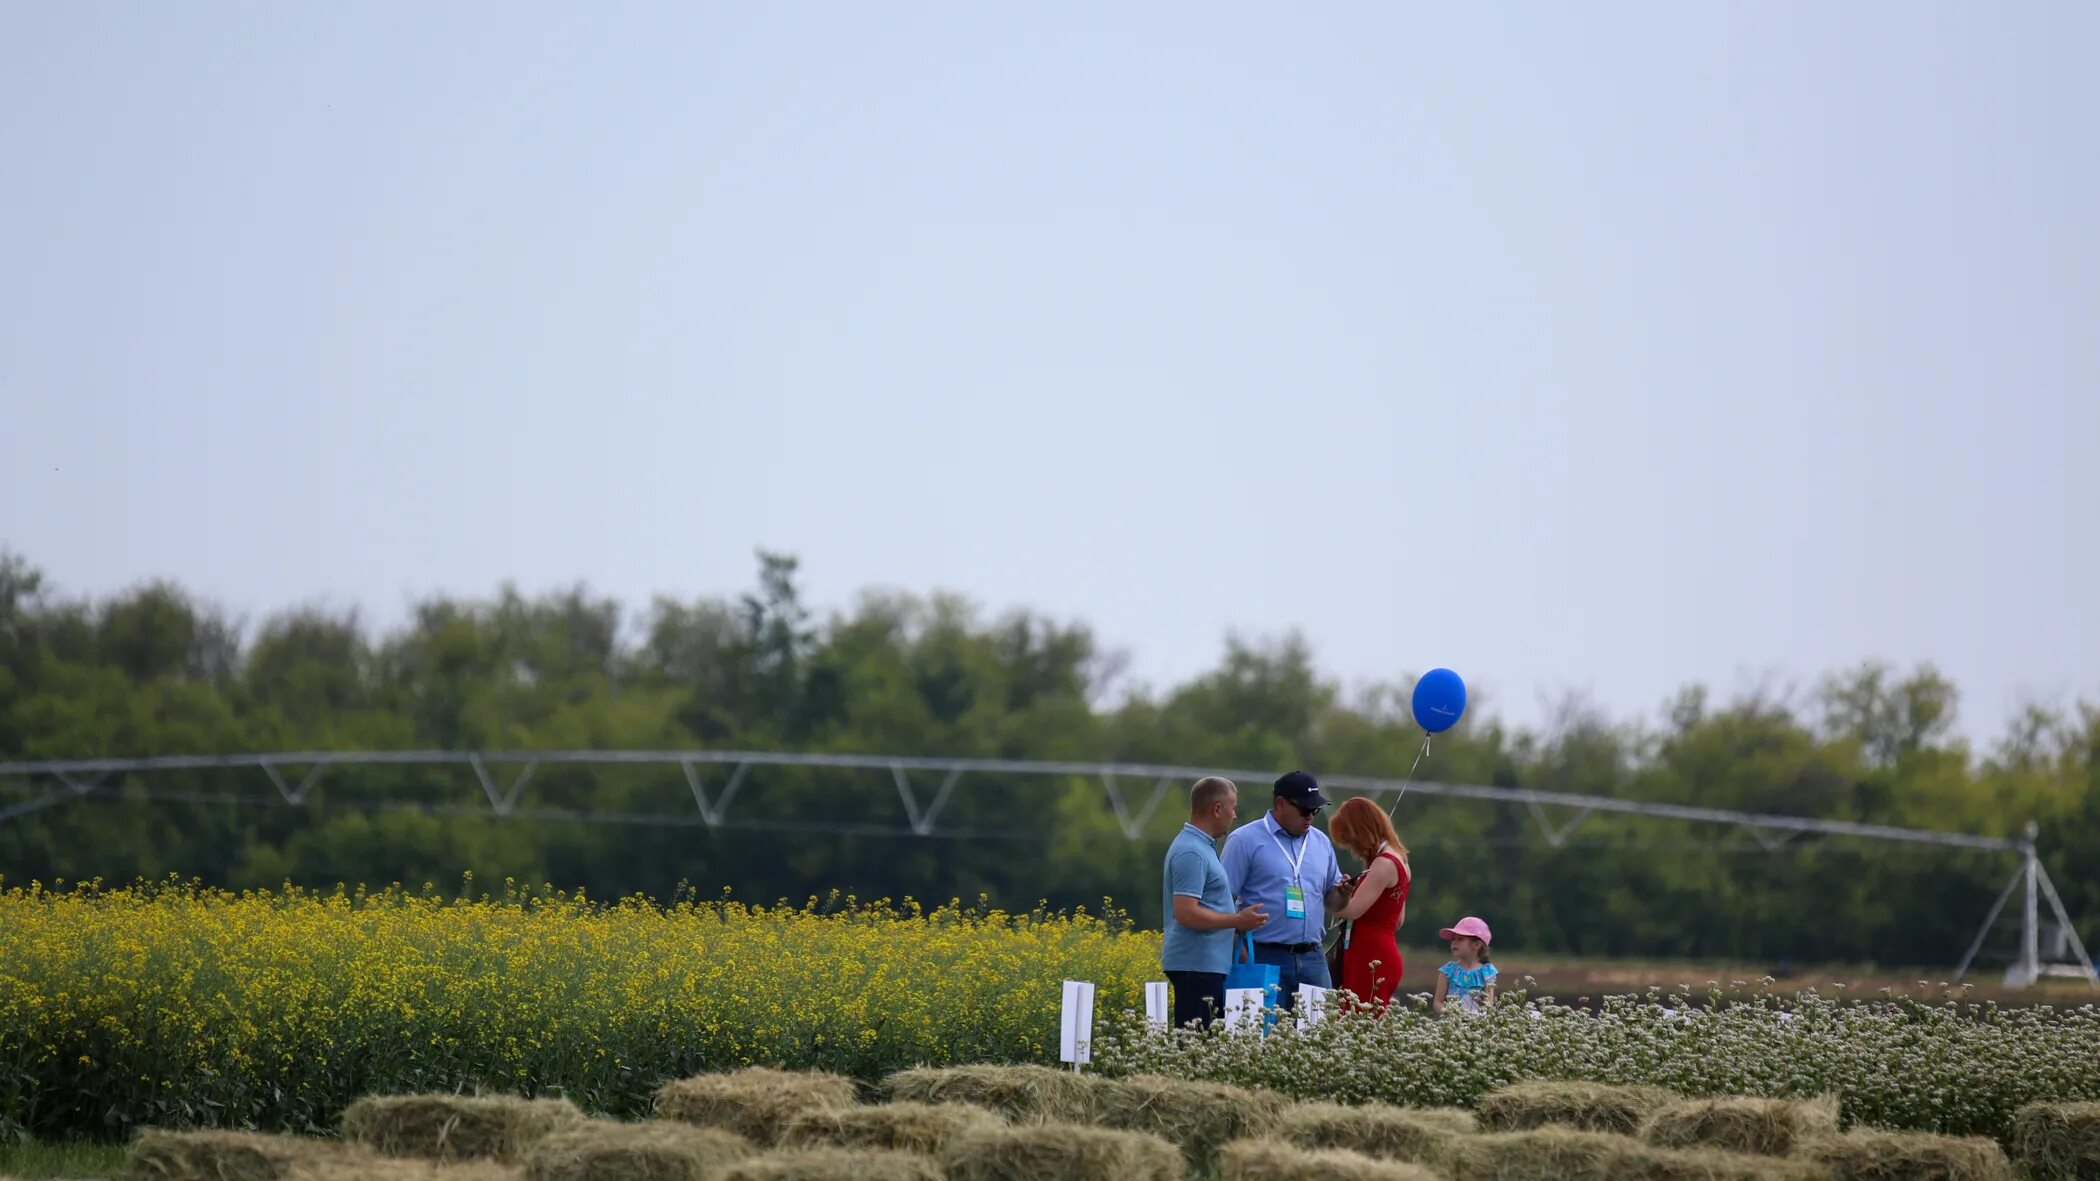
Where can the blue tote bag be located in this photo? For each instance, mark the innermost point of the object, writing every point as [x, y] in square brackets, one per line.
[1245, 973]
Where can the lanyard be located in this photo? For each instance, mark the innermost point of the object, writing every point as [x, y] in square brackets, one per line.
[1304, 842]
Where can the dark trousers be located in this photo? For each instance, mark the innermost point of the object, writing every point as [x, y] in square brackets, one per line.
[1198, 997]
[1294, 967]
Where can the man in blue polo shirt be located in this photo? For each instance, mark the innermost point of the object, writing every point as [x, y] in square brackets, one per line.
[1287, 867]
[1197, 906]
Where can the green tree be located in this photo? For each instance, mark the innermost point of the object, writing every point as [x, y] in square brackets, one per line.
[154, 671]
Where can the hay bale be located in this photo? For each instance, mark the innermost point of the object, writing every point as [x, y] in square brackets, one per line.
[1568, 1154]
[833, 1164]
[1273, 1160]
[1869, 1155]
[221, 1156]
[1648, 1163]
[366, 1167]
[2058, 1141]
[605, 1151]
[1022, 1094]
[250, 1156]
[1770, 1127]
[1199, 1117]
[911, 1127]
[1540, 1154]
[1591, 1107]
[447, 1127]
[1421, 1135]
[1060, 1152]
[755, 1103]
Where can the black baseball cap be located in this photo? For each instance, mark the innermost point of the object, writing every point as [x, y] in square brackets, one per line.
[1301, 789]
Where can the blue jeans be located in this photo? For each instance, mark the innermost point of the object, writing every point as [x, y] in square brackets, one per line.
[1293, 968]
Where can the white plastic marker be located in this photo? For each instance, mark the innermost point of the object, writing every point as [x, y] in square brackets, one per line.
[1076, 1039]
[1312, 1004]
[1243, 1007]
[1156, 1002]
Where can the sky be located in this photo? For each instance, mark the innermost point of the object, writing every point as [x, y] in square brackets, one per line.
[1593, 348]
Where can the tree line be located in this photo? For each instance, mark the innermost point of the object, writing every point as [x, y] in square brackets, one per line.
[154, 671]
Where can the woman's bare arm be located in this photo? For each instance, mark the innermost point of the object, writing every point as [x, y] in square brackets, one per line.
[1376, 881]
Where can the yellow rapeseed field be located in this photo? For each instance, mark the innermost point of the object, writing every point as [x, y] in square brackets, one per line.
[178, 1005]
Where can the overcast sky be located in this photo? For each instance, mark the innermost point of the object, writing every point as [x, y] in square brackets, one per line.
[1600, 346]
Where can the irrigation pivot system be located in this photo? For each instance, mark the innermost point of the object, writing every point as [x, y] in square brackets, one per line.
[1134, 792]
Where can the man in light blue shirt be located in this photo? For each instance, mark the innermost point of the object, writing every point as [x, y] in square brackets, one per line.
[1287, 867]
[1198, 917]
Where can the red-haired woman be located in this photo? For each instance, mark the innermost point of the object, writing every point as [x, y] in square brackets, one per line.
[1371, 962]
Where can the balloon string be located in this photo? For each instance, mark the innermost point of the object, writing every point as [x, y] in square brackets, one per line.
[1345, 925]
[1410, 776]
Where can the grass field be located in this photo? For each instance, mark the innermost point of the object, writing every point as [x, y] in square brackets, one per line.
[1029, 1123]
[180, 1007]
[35, 1160]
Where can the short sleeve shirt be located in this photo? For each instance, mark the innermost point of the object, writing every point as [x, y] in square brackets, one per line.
[1467, 986]
[1192, 870]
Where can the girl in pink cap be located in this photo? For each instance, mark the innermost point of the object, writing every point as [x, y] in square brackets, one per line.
[1469, 979]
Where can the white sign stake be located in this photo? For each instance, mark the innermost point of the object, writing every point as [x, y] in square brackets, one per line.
[1076, 1038]
[1156, 1005]
[1312, 1005]
[1243, 1008]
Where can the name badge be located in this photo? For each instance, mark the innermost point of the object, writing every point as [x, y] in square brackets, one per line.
[1294, 901]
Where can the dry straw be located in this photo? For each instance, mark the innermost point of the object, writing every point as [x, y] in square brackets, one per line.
[655, 1151]
[1642, 1163]
[1591, 1107]
[1767, 1126]
[1569, 1154]
[362, 1166]
[1423, 1135]
[2058, 1141]
[1868, 1155]
[1271, 1160]
[456, 1127]
[1023, 1094]
[250, 1156]
[912, 1127]
[219, 1156]
[756, 1103]
[1060, 1152]
[1544, 1154]
[1199, 1117]
[833, 1164]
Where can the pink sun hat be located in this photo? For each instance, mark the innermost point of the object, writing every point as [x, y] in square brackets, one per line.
[1468, 926]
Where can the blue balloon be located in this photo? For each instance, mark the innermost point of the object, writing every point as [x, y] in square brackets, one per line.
[1440, 697]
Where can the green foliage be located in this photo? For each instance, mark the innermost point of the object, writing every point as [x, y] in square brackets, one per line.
[56, 1159]
[154, 671]
[1964, 1069]
[177, 1006]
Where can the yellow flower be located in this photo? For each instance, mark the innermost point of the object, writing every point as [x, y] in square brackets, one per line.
[244, 1003]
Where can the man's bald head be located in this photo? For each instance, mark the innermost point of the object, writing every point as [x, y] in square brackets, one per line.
[1214, 804]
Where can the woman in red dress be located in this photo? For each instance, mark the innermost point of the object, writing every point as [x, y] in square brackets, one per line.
[1371, 962]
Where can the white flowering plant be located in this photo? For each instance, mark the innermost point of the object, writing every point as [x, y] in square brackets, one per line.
[1894, 1061]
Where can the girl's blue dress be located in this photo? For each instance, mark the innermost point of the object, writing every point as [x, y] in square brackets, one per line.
[1467, 986]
